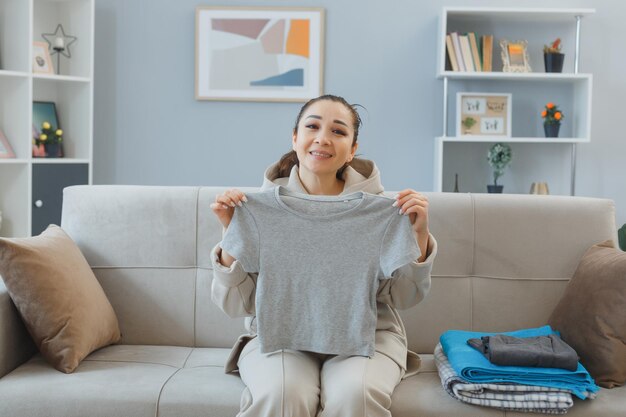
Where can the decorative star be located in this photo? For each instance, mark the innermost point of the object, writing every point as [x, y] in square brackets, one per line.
[51, 37]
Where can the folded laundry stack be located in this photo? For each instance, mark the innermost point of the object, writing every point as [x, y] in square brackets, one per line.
[467, 375]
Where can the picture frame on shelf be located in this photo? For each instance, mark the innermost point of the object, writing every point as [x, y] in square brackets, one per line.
[515, 56]
[483, 114]
[45, 111]
[6, 151]
[42, 62]
[259, 53]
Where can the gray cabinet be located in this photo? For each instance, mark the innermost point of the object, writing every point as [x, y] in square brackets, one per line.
[48, 183]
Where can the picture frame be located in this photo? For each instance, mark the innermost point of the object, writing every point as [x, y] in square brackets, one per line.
[483, 114]
[259, 53]
[42, 62]
[515, 56]
[6, 151]
[45, 111]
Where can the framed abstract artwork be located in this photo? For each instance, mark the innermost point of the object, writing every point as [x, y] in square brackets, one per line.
[259, 53]
[483, 114]
[515, 56]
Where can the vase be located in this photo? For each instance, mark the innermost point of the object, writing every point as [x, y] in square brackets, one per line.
[53, 150]
[551, 130]
[495, 189]
[553, 62]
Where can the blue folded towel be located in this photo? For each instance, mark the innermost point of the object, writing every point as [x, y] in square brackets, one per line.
[472, 366]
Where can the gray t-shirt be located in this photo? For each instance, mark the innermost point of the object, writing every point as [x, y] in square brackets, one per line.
[319, 259]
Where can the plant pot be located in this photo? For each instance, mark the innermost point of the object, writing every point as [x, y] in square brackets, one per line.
[551, 130]
[53, 150]
[495, 189]
[553, 62]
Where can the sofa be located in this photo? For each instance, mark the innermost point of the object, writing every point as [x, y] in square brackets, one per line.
[503, 264]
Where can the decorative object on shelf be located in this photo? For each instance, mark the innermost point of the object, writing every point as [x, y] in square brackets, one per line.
[5, 147]
[259, 53]
[42, 63]
[483, 114]
[456, 183]
[50, 136]
[621, 236]
[552, 57]
[499, 157]
[552, 118]
[60, 44]
[539, 188]
[515, 56]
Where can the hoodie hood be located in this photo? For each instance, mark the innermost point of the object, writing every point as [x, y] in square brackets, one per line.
[360, 175]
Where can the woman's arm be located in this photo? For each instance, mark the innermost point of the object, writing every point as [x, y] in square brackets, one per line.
[233, 290]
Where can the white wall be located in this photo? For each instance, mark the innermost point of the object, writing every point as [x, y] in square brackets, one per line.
[149, 129]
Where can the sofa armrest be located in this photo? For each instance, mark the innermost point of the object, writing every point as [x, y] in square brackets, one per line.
[16, 345]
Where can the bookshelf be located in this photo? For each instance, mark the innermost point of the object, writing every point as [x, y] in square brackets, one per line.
[31, 188]
[571, 90]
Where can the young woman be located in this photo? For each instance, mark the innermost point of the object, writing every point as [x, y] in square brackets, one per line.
[303, 383]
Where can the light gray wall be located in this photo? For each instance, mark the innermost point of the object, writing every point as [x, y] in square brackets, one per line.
[149, 129]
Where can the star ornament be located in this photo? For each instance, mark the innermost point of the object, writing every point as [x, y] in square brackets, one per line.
[59, 42]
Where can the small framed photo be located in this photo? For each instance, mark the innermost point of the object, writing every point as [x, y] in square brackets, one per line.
[5, 147]
[515, 56]
[42, 63]
[259, 53]
[483, 114]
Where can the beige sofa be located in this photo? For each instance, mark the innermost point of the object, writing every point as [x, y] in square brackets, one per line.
[503, 263]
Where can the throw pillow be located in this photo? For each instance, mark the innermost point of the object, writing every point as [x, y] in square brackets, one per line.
[590, 315]
[59, 298]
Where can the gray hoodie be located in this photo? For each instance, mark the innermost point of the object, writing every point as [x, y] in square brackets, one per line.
[233, 289]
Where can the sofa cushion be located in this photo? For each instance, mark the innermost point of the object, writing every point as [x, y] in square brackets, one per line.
[590, 315]
[60, 300]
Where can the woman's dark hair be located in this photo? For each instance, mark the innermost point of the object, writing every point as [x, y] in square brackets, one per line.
[288, 160]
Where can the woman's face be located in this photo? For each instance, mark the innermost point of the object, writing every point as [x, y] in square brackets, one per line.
[324, 139]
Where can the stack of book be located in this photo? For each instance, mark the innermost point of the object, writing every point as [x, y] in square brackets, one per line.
[466, 53]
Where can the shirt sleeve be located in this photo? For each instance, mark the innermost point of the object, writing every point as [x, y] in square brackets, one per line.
[241, 239]
[399, 245]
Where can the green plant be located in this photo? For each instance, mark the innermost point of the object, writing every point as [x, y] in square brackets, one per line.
[499, 156]
[49, 135]
[554, 48]
[551, 114]
[468, 122]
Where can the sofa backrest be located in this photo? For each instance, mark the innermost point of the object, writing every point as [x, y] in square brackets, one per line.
[503, 260]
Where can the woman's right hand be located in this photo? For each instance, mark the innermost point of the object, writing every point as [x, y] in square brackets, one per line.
[224, 206]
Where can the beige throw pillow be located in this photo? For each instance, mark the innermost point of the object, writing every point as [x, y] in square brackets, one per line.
[590, 315]
[59, 298]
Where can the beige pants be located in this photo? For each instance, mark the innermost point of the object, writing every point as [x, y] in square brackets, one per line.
[290, 383]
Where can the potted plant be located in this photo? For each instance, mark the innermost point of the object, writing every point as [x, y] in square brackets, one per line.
[552, 56]
[51, 139]
[552, 118]
[499, 156]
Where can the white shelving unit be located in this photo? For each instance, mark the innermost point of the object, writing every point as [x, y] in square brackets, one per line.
[571, 90]
[21, 23]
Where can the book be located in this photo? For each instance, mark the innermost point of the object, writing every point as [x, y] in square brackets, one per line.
[451, 54]
[457, 50]
[487, 52]
[475, 55]
[466, 51]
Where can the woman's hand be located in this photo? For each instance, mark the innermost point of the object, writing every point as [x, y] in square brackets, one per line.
[224, 206]
[416, 206]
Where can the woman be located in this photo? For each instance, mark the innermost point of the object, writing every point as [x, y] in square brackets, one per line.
[302, 383]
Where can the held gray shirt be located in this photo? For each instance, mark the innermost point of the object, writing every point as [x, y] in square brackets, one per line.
[319, 260]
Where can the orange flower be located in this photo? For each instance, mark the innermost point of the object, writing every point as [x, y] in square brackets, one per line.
[544, 113]
[557, 115]
[550, 105]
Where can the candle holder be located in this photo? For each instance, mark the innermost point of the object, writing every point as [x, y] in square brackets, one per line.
[60, 44]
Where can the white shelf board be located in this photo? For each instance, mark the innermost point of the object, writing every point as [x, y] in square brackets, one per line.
[518, 14]
[515, 76]
[60, 161]
[472, 138]
[13, 161]
[6, 73]
[62, 78]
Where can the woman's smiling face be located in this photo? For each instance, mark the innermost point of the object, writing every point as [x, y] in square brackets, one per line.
[324, 139]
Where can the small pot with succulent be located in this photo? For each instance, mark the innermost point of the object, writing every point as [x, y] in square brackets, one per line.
[499, 157]
[552, 117]
[51, 139]
[552, 56]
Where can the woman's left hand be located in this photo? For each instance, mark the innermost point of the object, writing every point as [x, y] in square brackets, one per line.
[415, 205]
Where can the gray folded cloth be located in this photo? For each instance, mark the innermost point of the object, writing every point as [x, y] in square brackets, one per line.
[540, 351]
